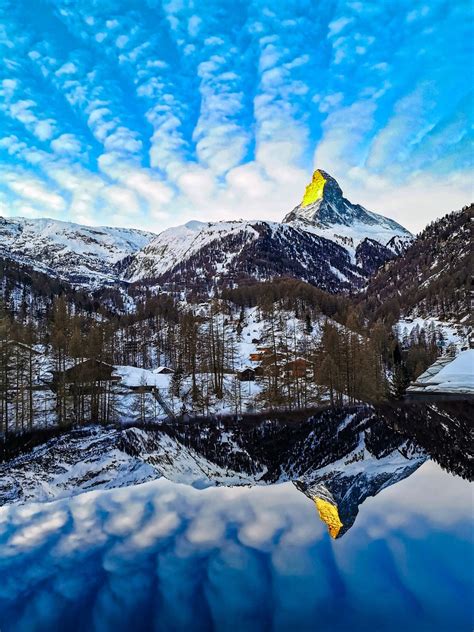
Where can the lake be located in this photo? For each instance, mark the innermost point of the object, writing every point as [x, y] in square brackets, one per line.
[370, 540]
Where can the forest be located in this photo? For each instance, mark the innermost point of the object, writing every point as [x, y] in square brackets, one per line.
[66, 355]
[318, 349]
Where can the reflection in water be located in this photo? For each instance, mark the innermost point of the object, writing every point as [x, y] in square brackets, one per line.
[325, 504]
[329, 514]
[337, 458]
[163, 556]
[245, 553]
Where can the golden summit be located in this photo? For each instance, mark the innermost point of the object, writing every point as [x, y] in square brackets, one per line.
[314, 190]
[330, 515]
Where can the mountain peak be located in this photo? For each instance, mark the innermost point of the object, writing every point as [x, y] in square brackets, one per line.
[321, 184]
[324, 207]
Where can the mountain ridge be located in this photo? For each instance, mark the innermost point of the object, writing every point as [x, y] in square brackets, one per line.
[434, 275]
[326, 241]
[83, 255]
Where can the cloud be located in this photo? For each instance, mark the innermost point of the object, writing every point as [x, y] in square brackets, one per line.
[44, 129]
[143, 183]
[66, 69]
[66, 144]
[122, 199]
[336, 26]
[33, 191]
[409, 121]
[413, 200]
[184, 111]
[344, 132]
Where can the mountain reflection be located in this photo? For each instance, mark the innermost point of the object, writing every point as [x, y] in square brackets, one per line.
[244, 554]
[337, 458]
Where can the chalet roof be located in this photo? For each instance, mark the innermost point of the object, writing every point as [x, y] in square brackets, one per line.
[22, 345]
[89, 370]
[272, 358]
[299, 361]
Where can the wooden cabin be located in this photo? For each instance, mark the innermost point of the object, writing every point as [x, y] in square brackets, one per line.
[86, 374]
[246, 375]
[300, 367]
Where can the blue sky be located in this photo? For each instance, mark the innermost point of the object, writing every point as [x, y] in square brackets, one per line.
[149, 113]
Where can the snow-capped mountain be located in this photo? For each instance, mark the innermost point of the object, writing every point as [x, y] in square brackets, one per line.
[326, 240]
[83, 255]
[325, 211]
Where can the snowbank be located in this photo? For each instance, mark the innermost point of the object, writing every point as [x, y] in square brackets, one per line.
[448, 376]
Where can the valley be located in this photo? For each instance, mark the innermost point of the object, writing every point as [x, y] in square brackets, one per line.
[225, 318]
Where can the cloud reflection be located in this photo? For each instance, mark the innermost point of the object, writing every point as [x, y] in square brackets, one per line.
[166, 556]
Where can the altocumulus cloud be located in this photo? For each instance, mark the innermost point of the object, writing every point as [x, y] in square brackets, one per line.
[155, 113]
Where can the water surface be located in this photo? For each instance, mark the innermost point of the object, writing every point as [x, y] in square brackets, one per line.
[245, 546]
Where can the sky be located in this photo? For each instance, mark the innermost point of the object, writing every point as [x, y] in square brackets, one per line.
[151, 113]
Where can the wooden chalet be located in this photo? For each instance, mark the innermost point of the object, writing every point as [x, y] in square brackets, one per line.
[249, 374]
[300, 367]
[87, 374]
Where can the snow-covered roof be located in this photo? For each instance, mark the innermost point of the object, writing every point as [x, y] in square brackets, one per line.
[133, 376]
[22, 345]
[448, 375]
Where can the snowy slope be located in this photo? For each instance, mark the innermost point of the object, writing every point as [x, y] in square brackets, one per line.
[80, 254]
[175, 245]
[457, 375]
[450, 333]
[353, 235]
[448, 375]
[330, 243]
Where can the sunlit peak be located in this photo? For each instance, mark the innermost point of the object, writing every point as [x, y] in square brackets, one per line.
[330, 515]
[314, 190]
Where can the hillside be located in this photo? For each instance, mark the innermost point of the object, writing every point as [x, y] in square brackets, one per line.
[83, 255]
[27, 293]
[227, 253]
[432, 278]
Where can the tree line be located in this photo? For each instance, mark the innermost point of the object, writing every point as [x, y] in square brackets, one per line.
[318, 348]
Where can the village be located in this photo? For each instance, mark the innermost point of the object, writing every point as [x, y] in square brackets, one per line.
[96, 391]
[93, 390]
